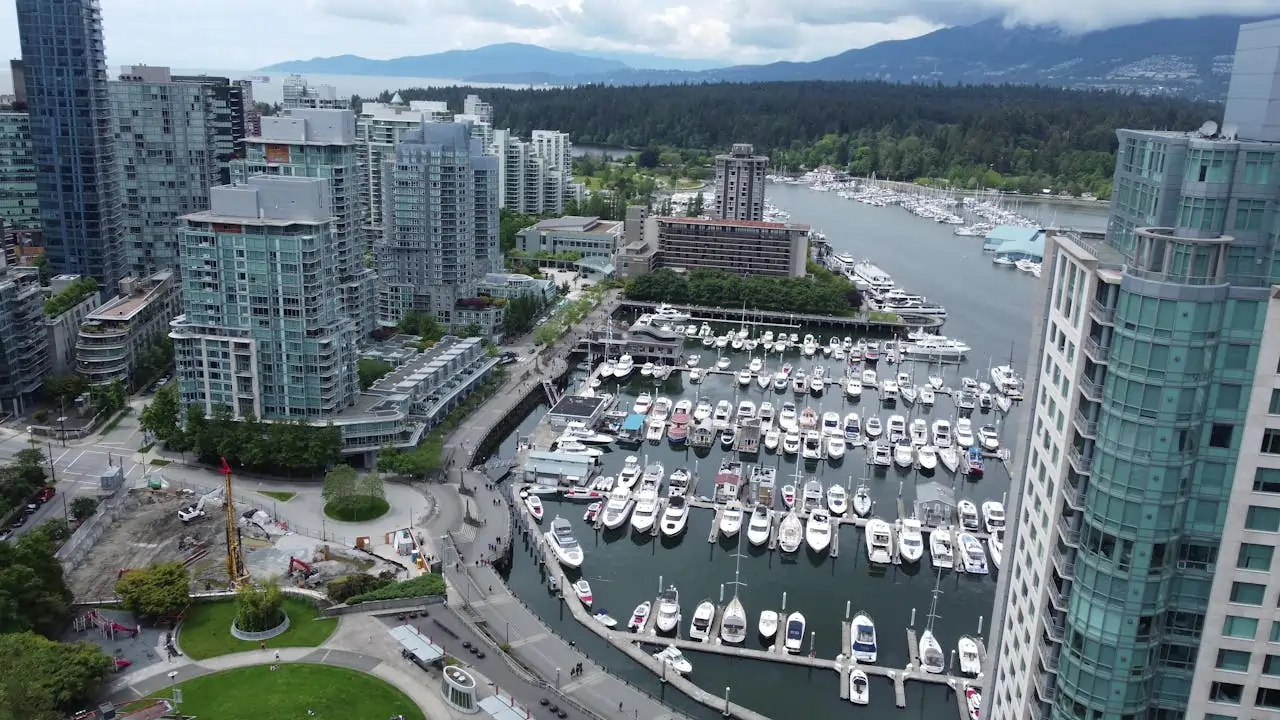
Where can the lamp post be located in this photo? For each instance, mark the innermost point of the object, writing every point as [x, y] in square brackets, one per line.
[557, 678]
[726, 701]
[174, 691]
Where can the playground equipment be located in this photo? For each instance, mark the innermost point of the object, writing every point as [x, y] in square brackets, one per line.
[196, 510]
[106, 626]
[237, 572]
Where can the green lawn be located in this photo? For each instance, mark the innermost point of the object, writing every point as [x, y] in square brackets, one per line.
[206, 630]
[259, 693]
[360, 508]
[278, 495]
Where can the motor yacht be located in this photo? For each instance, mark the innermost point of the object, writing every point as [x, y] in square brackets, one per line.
[927, 458]
[534, 505]
[675, 517]
[607, 370]
[837, 500]
[639, 616]
[756, 365]
[859, 688]
[918, 432]
[941, 435]
[668, 609]
[661, 408]
[746, 411]
[618, 508]
[791, 441]
[972, 463]
[810, 346]
[629, 473]
[678, 483]
[1004, 403]
[972, 554]
[564, 544]
[964, 433]
[808, 419]
[853, 428]
[795, 633]
[645, 513]
[646, 370]
[949, 458]
[674, 659]
[582, 589]
[873, 428]
[889, 392]
[579, 431]
[993, 516]
[862, 501]
[733, 625]
[941, 552]
[966, 400]
[682, 411]
[772, 437]
[696, 375]
[864, 646]
[623, 368]
[812, 448]
[904, 455]
[693, 360]
[813, 496]
[995, 544]
[835, 448]
[723, 415]
[897, 428]
[881, 454]
[654, 429]
[744, 377]
[723, 362]
[768, 625]
[879, 541]
[926, 396]
[760, 525]
[780, 381]
[831, 424]
[577, 447]
[968, 515]
[931, 658]
[869, 378]
[799, 383]
[790, 532]
[817, 531]
[703, 617]
[817, 382]
[731, 518]
[767, 414]
[910, 540]
[787, 418]
[853, 388]
[989, 438]
[789, 495]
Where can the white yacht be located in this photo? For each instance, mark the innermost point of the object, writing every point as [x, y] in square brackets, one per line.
[772, 437]
[618, 509]
[579, 431]
[790, 532]
[780, 381]
[831, 424]
[661, 408]
[812, 497]
[964, 433]
[889, 392]
[768, 626]
[817, 531]
[791, 441]
[910, 540]
[564, 544]
[674, 659]
[668, 609]
[760, 525]
[837, 499]
[972, 555]
[873, 428]
[703, 617]
[622, 369]
[989, 437]
[645, 513]
[795, 633]
[927, 458]
[764, 380]
[731, 518]
[853, 388]
[970, 664]
[942, 434]
[903, 454]
[678, 483]
[853, 428]
[869, 378]
[864, 647]
[897, 429]
[881, 454]
[995, 544]
[582, 589]
[767, 414]
[756, 365]
[702, 410]
[577, 447]
[968, 515]
[799, 384]
[733, 625]
[675, 518]
[723, 415]
[949, 458]
[746, 411]
[931, 658]
[879, 541]
[859, 688]
[723, 362]
[918, 432]
[639, 616]
[941, 552]
[812, 447]
[835, 447]
[787, 419]
[993, 516]
[862, 501]
[629, 473]
[817, 382]
[926, 396]
[744, 377]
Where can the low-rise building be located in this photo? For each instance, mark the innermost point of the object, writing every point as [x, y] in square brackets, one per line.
[512, 285]
[114, 335]
[586, 236]
[636, 256]
[63, 329]
[24, 356]
[642, 342]
[741, 247]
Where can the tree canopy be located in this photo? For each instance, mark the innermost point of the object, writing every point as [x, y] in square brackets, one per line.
[158, 591]
[822, 293]
[33, 594]
[287, 448]
[44, 680]
[900, 132]
[21, 478]
[371, 370]
[259, 606]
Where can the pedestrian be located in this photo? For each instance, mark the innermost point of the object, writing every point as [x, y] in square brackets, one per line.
[619, 706]
[263, 644]
[277, 655]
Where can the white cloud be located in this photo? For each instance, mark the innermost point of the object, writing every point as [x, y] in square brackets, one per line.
[229, 34]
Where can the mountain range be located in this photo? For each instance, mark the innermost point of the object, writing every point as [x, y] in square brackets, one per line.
[1187, 56]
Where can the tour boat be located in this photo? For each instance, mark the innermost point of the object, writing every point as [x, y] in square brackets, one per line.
[864, 647]
[817, 531]
[733, 625]
[989, 437]
[731, 518]
[873, 428]
[534, 503]
[904, 454]
[931, 658]
[789, 495]
[835, 447]
[618, 508]
[964, 433]
[968, 652]
[972, 555]
[862, 501]
[703, 616]
[993, 516]
[791, 441]
[787, 418]
[941, 553]
[623, 367]
[593, 511]
[852, 428]
[879, 541]
[646, 511]
[639, 616]
[760, 525]
[968, 515]
[582, 589]
[837, 499]
[859, 688]
[795, 633]
[910, 540]
[927, 458]
[812, 448]
[772, 438]
[674, 659]
[676, 517]
[768, 625]
[564, 544]
[973, 700]
[668, 609]
[853, 388]
[790, 532]
[881, 454]
[949, 458]
[995, 543]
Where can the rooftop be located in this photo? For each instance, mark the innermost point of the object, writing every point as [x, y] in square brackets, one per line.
[1006, 233]
[576, 406]
[126, 306]
[734, 223]
[418, 368]
[578, 223]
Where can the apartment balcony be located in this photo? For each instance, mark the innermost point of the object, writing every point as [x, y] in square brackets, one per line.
[1073, 492]
[1101, 313]
[1086, 427]
[1054, 627]
[1060, 599]
[1046, 687]
[1049, 654]
[1082, 464]
[1070, 536]
[1064, 562]
[1097, 351]
[1090, 390]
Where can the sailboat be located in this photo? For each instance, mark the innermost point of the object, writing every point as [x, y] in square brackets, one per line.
[733, 624]
[932, 659]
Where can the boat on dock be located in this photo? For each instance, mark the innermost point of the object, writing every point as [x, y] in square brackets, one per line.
[970, 663]
[731, 518]
[995, 543]
[973, 464]
[968, 515]
[904, 454]
[813, 496]
[817, 531]
[593, 511]
[859, 688]
[674, 659]
[582, 589]
[675, 518]
[768, 625]
[973, 698]
[791, 441]
[862, 501]
[949, 459]
[879, 541]
[618, 508]
[790, 532]
[645, 513]
[864, 647]
[989, 438]
[763, 478]
[993, 516]
[837, 500]
[668, 609]
[703, 616]
[760, 525]
[910, 540]
[941, 551]
[794, 641]
[630, 472]
[881, 454]
[534, 504]
[602, 616]
[639, 616]
[972, 554]
[564, 544]
[733, 625]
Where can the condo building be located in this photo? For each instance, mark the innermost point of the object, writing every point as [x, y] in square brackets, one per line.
[1140, 581]
[19, 194]
[378, 129]
[735, 246]
[24, 350]
[114, 335]
[298, 93]
[739, 184]
[535, 176]
[234, 117]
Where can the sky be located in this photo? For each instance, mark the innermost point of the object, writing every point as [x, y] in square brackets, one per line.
[247, 34]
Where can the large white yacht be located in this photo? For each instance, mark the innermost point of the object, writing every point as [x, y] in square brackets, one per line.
[564, 544]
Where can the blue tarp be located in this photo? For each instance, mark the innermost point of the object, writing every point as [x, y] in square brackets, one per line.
[633, 423]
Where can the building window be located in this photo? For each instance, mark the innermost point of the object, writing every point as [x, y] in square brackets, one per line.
[1216, 716]
[1236, 357]
[1247, 593]
[1271, 441]
[1257, 168]
[1250, 214]
[1266, 519]
[1254, 557]
[1268, 698]
[1234, 660]
[1226, 693]
[1220, 435]
[1275, 632]
[1266, 480]
[1229, 397]
[1240, 627]
[1271, 666]
[1273, 408]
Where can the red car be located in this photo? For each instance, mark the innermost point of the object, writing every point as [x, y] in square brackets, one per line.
[46, 494]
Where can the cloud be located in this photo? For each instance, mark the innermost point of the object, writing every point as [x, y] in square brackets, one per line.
[389, 12]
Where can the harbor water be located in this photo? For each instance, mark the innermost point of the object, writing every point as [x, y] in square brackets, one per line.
[989, 309]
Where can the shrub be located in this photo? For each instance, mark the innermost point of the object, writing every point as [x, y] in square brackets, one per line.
[427, 585]
[259, 607]
[343, 589]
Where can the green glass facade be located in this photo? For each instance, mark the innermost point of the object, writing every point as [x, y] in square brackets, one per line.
[19, 207]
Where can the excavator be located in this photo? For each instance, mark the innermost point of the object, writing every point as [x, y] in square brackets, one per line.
[197, 509]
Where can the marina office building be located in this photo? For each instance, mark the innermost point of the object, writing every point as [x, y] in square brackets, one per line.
[1146, 510]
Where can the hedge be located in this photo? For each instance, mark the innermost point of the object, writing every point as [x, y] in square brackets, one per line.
[426, 585]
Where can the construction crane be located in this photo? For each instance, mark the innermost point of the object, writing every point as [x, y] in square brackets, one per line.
[237, 572]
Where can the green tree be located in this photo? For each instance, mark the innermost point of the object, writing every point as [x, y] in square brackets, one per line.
[371, 370]
[54, 678]
[520, 314]
[258, 607]
[160, 416]
[340, 486]
[426, 325]
[33, 593]
[83, 507]
[697, 206]
[161, 590]
[471, 330]
[371, 485]
[65, 388]
[56, 529]
[509, 226]
[70, 296]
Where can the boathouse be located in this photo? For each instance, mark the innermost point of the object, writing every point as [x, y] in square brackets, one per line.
[1006, 234]
[553, 468]
[577, 408]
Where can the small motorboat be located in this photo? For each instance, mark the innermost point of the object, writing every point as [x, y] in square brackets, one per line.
[772, 437]
[879, 541]
[790, 532]
[795, 633]
[835, 447]
[668, 609]
[853, 388]
[995, 544]
[926, 397]
[993, 516]
[787, 418]
[862, 501]
[941, 552]
[574, 446]
[703, 616]
[639, 616]
[873, 428]
[731, 518]
[989, 438]
[791, 441]
[674, 659]
[910, 540]
[768, 626]
[789, 495]
[949, 458]
[964, 432]
[931, 658]
[534, 503]
[864, 648]
[831, 424]
[970, 664]
[675, 518]
[744, 377]
[972, 463]
[593, 511]
[968, 515]
[972, 555]
[728, 436]
[918, 432]
[973, 700]
[733, 625]
[760, 525]
[904, 454]
[927, 458]
[837, 500]
[853, 428]
[1004, 403]
[582, 589]
[564, 544]
[702, 410]
[817, 531]
[881, 454]
[605, 619]
[812, 447]
[859, 688]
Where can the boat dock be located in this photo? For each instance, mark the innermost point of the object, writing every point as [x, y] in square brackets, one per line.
[717, 621]
[834, 550]
[774, 528]
[913, 647]
[715, 524]
[861, 323]
[657, 517]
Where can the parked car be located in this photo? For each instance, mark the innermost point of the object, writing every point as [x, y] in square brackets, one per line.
[19, 520]
[46, 494]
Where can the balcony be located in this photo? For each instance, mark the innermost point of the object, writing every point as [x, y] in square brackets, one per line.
[1060, 598]
[1078, 461]
[1054, 627]
[1102, 313]
[1046, 687]
[1066, 566]
[1070, 536]
[1087, 428]
[1098, 352]
[1049, 654]
[1090, 390]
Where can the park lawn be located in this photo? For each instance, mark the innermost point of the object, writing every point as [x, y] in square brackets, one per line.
[278, 495]
[360, 508]
[206, 629]
[259, 693]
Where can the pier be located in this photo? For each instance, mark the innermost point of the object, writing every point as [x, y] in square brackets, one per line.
[860, 323]
[715, 524]
[774, 528]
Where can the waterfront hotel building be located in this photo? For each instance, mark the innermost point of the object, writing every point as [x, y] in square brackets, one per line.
[1146, 508]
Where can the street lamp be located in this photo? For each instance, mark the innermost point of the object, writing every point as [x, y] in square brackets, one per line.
[726, 701]
[174, 691]
[557, 678]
